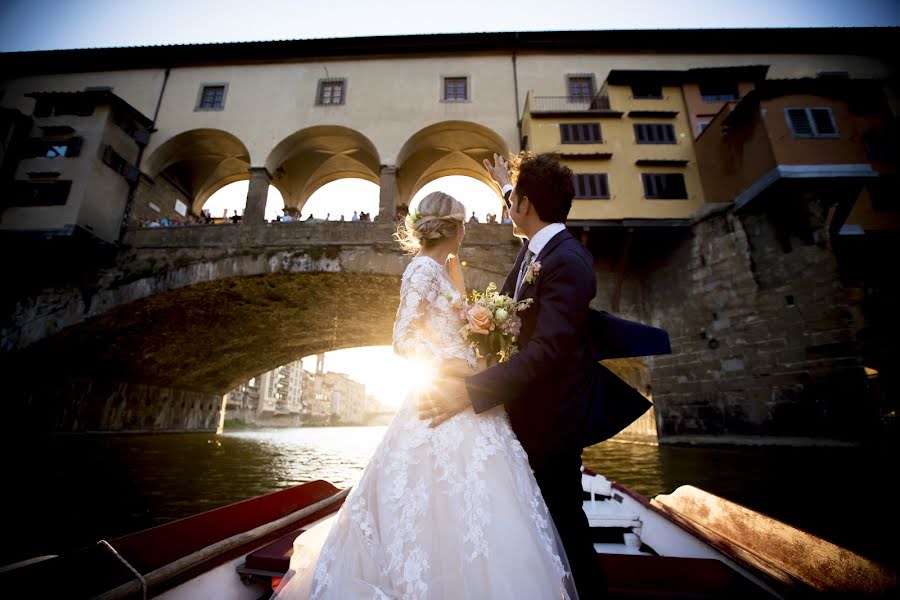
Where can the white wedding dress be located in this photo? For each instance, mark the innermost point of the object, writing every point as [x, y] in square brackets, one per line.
[449, 513]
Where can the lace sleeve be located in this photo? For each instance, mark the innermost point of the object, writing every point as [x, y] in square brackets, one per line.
[418, 290]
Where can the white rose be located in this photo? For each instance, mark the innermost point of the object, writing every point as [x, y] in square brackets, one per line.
[501, 315]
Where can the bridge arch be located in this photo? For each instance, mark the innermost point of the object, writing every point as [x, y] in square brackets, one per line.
[443, 149]
[188, 313]
[310, 158]
[164, 362]
[200, 162]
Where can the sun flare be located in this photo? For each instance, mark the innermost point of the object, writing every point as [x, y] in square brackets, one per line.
[386, 376]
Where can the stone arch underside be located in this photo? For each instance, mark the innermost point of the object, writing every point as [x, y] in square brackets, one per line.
[200, 162]
[313, 157]
[444, 149]
[212, 336]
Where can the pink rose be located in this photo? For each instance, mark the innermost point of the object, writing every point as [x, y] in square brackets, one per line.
[479, 318]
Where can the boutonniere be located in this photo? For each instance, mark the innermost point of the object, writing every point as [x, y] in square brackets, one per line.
[533, 270]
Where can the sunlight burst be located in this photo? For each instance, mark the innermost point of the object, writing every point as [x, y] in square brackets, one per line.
[386, 376]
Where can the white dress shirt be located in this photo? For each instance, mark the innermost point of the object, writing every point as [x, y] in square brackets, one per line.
[535, 245]
[540, 239]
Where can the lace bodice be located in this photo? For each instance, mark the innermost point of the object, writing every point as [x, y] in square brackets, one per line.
[428, 324]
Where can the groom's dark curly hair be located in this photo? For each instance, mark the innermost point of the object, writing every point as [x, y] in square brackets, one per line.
[548, 184]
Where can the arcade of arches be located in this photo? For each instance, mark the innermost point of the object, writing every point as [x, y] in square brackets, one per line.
[197, 163]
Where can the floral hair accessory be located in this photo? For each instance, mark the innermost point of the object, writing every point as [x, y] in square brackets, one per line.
[414, 214]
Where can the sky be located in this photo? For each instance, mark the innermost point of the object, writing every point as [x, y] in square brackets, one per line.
[58, 24]
[53, 24]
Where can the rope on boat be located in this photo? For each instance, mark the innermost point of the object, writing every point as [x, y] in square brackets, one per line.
[127, 564]
[166, 572]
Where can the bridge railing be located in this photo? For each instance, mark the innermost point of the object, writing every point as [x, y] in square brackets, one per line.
[292, 234]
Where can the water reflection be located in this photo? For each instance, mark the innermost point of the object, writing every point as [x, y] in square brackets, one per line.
[636, 465]
[73, 490]
[293, 456]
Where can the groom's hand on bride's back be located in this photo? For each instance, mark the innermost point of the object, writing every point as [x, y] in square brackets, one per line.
[447, 398]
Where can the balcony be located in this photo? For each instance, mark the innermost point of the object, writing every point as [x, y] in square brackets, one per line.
[573, 106]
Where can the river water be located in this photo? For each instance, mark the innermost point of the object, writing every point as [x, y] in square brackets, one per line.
[63, 491]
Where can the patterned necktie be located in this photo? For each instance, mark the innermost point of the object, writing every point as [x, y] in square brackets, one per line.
[524, 267]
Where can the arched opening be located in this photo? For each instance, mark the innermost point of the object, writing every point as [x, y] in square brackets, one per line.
[446, 149]
[211, 336]
[480, 200]
[341, 199]
[311, 158]
[197, 164]
[232, 198]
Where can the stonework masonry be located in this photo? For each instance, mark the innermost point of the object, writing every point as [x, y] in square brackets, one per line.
[763, 338]
[86, 404]
[157, 200]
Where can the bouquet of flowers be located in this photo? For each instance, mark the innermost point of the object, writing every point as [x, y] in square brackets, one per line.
[491, 323]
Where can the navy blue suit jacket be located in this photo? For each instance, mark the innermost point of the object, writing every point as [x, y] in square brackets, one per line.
[556, 393]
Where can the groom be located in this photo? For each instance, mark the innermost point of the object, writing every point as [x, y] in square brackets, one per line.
[549, 386]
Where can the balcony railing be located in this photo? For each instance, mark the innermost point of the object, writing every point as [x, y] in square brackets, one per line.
[564, 104]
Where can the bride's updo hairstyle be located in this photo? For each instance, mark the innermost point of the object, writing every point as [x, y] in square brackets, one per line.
[438, 217]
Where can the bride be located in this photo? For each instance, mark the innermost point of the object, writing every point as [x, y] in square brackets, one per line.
[447, 513]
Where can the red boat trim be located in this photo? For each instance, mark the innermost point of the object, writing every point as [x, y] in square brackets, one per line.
[93, 570]
[153, 548]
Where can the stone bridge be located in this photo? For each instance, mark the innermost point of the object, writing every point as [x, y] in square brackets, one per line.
[198, 310]
[764, 337]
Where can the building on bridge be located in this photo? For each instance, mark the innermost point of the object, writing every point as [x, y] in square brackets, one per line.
[174, 125]
[736, 187]
[70, 165]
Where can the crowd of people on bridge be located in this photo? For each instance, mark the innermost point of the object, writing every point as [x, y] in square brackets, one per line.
[490, 218]
[286, 216]
[178, 221]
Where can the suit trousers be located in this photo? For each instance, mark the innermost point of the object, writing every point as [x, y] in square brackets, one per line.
[560, 483]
